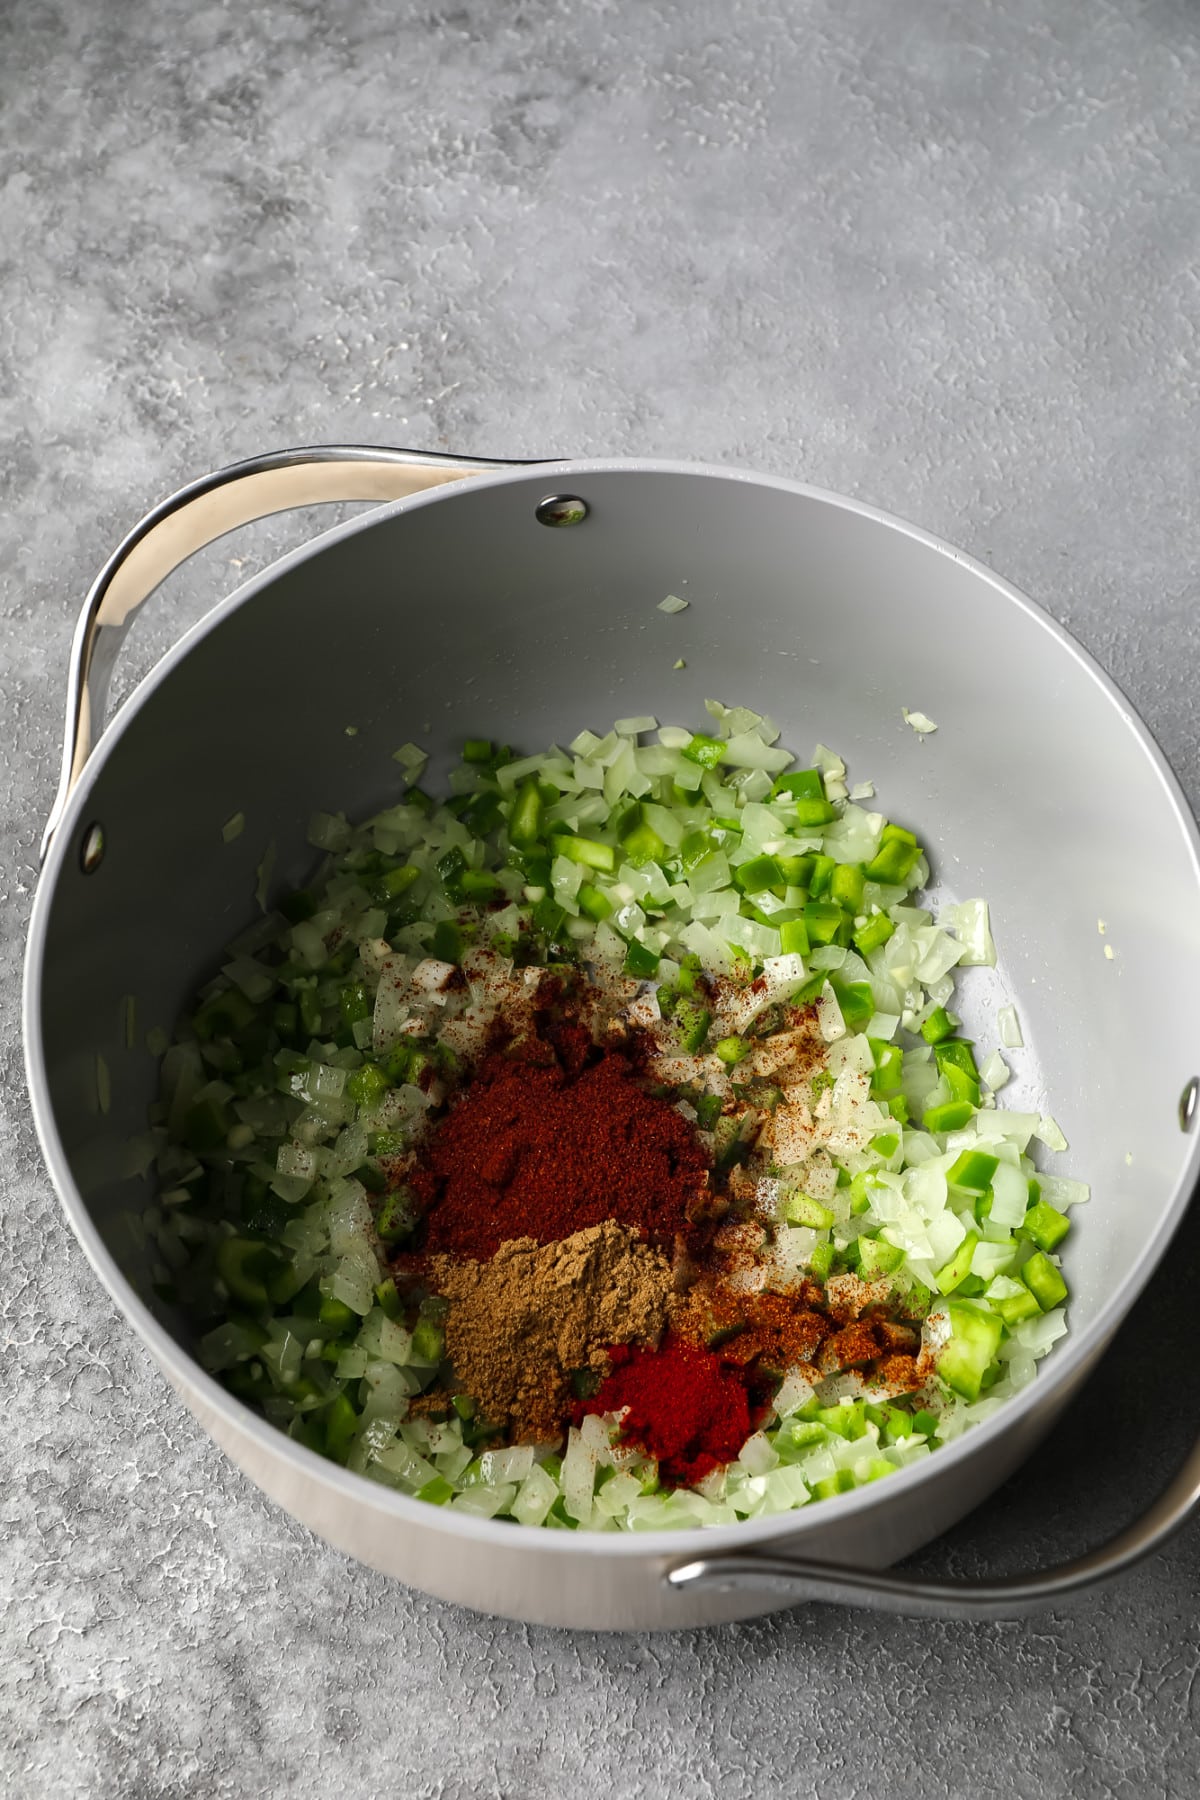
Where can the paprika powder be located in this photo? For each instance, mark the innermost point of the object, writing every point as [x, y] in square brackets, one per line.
[533, 1149]
[684, 1408]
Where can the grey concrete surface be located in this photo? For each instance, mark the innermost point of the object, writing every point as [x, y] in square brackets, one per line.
[942, 257]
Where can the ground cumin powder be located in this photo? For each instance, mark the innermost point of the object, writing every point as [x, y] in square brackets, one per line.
[519, 1324]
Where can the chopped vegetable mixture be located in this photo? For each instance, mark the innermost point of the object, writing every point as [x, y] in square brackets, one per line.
[598, 1147]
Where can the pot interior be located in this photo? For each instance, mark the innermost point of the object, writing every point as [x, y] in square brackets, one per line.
[461, 616]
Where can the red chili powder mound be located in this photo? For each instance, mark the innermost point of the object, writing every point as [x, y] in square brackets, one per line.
[684, 1408]
[535, 1150]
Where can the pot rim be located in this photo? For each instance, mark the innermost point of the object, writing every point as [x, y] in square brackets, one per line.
[1069, 1359]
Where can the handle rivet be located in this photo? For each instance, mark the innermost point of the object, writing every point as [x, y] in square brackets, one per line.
[1187, 1103]
[91, 851]
[561, 509]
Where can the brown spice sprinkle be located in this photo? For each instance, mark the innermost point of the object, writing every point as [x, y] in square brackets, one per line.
[743, 1326]
[522, 1322]
[804, 1327]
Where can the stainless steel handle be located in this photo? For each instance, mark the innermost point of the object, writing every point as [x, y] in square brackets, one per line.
[793, 1579]
[196, 516]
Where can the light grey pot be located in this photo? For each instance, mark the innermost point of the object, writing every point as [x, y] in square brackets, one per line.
[470, 606]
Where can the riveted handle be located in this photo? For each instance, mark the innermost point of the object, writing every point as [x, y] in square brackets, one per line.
[196, 516]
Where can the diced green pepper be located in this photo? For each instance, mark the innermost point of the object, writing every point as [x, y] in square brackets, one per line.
[809, 990]
[246, 1266]
[1043, 1280]
[706, 751]
[1013, 1308]
[693, 850]
[641, 961]
[692, 1021]
[643, 845]
[821, 1260]
[731, 1050]
[587, 851]
[860, 1195]
[793, 937]
[874, 934]
[759, 873]
[593, 902]
[822, 920]
[797, 1434]
[395, 882]
[447, 942]
[821, 876]
[436, 1491]
[549, 917]
[367, 1086]
[428, 1341]
[477, 886]
[525, 819]
[898, 1422]
[940, 1024]
[878, 1257]
[708, 1111]
[802, 784]
[484, 813]
[395, 1218]
[450, 866]
[1045, 1225]
[846, 886]
[388, 1143]
[952, 1115]
[341, 1427]
[889, 1066]
[690, 979]
[801, 1209]
[336, 1315]
[896, 857]
[829, 1486]
[848, 1420]
[387, 1297]
[354, 1003]
[961, 1086]
[956, 1053]
[727, 1141]
[974, 1339]
[855, 1000]
[972, 1171]
[953, 1273]
[478, 750]
[811, 813]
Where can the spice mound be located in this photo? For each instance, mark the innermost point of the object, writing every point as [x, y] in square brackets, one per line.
[540, 1150]
[683, 1408]
[598, 1251]
[523, 1324]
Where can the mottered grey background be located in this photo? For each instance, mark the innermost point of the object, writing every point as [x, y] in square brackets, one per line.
[941, 257]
